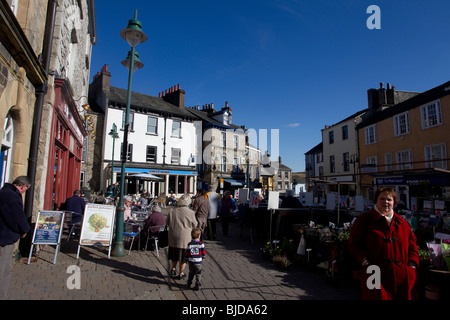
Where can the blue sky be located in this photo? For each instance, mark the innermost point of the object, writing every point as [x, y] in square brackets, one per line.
[288, 65]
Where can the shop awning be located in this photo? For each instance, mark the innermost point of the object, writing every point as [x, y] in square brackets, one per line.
[234, 183]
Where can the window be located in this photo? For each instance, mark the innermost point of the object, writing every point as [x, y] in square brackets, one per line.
[236, 165]
[371, 134]
[129, 152]
[151, 154]
[176, 129]
[435, 155]
[225, 118]
[82, 179]
[84, 152]
[388, 161]
[319, 157]
[404, 160]
[401, 124]
[176, 155]
[346, 162]
[236, 142]
[344, 132]
[223, 164]
[332, 164]
[152, 125]
[331, 137]
[223, 139]
[130, 120]
[431, 114]
[371, 162]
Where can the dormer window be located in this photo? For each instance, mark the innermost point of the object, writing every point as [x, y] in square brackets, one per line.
[225, 118]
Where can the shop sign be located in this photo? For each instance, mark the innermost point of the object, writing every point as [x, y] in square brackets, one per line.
[390, 181]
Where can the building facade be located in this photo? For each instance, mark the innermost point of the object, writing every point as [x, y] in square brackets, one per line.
[21, 77]
[64, 127]
[340, 155]
[405, 146]
[224, 160]
[162, 140]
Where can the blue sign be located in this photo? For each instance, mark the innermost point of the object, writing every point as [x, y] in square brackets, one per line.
[390, 181]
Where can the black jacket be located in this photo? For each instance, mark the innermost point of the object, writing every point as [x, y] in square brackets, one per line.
[13, 222]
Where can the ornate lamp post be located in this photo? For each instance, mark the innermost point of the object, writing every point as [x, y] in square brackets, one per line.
[113, 133]
[134, 35]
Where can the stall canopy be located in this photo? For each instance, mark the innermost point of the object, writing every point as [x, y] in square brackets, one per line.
[234, 183]
[144, 176]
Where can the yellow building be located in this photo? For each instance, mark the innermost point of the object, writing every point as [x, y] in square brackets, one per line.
[405, 146]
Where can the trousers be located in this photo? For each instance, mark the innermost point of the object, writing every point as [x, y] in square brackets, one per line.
[6, 253]
[195, 270]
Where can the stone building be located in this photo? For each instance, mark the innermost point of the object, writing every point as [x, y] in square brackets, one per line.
[45, 54]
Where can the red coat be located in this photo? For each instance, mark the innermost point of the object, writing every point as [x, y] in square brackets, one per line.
[392, 248]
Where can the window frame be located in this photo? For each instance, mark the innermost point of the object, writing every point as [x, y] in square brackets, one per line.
[399, 127]
[370, 133]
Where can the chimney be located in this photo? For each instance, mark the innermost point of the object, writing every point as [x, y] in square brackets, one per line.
[379, 98]
[174, 95]
[100, 82]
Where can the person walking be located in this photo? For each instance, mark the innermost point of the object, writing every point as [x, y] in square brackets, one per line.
[382, 238]
[13, 226]
[180, 222]
[201, 208]
[214, 206]
[195, 254]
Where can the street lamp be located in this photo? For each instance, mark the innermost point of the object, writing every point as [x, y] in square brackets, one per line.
[354, 160]
[134, 35]
[113, 133]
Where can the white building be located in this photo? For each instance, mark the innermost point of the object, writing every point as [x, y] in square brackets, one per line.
[340, 153]
[162, 139]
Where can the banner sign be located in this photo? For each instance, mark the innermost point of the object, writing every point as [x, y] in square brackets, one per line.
[48, 230]
[98, 226]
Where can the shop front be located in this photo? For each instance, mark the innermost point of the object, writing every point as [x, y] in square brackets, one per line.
[66, 144]
[416, 189]
[177, 182]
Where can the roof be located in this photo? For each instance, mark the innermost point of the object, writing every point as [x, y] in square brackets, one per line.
[147, 103]
[414, 102]
[204, 116]
[318, 148]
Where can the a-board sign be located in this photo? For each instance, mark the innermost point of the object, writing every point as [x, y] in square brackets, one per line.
[254, 199]
[98, 226]
[48, 230]
[274, 197]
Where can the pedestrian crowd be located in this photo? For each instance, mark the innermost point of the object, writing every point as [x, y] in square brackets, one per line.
[378, 237]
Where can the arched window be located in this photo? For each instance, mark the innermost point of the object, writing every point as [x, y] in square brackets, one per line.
[6, 151]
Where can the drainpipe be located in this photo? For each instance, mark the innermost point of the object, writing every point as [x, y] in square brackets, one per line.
[38, 106]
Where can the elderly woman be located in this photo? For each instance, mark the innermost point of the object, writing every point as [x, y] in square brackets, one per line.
[382, 238]
[180, 221]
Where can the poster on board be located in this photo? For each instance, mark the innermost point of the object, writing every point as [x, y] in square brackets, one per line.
[274, 200]
[254, 199]
[98, 226]
[48, 230]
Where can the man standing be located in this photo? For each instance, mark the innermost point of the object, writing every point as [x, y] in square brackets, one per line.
[13, 226]
[214, 204]
[76, 203]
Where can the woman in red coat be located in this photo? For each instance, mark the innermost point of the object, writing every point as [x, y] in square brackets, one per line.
[381, 238]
